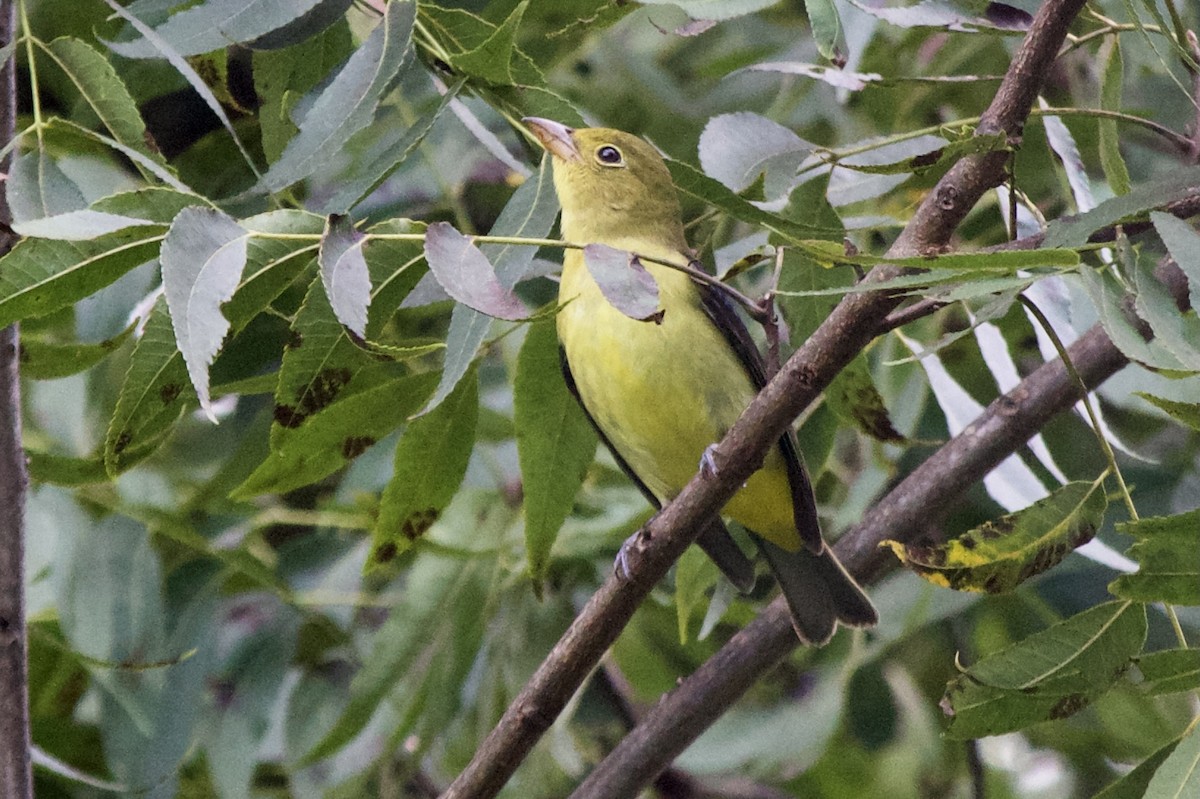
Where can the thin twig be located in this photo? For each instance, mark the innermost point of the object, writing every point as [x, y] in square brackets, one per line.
[910, 313]
[16, 779]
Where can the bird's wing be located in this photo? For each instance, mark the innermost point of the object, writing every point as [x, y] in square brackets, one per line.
[714, 539]
[719, 309]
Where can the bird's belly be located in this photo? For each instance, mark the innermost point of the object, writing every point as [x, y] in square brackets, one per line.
[662, 393]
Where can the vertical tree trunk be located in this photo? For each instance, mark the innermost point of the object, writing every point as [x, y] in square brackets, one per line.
[16, 780]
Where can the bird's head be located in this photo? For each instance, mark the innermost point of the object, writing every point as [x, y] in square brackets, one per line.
[611, 185]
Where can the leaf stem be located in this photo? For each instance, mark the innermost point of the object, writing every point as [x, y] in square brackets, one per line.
[1104, 445]
[34, 93]
[1087, 403]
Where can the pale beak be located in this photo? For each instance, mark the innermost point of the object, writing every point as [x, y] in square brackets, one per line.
[555, 137]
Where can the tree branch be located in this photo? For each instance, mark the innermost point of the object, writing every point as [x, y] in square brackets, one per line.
[16, 780]
[840, 338]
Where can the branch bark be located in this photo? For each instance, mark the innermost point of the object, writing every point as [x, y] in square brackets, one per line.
[16, 780]
[840, 338]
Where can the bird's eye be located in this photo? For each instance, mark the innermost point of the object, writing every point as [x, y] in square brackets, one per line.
[609, 155]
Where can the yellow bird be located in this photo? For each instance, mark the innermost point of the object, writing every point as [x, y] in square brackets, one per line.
[660, 392]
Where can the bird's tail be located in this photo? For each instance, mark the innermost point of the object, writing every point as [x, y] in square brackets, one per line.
[719, 545]
[820, 592]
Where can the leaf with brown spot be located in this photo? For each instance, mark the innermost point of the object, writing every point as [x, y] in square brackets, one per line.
[1001, 554]
[318, 447]
[353, 446]
[1049, 675]
[430, 462]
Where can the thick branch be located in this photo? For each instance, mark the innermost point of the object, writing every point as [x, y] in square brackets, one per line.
[844, 334]
[15, 777]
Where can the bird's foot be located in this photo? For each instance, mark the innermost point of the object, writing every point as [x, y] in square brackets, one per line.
[630, 550]
[708, 462]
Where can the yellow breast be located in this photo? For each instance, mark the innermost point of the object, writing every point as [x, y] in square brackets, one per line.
[662, 393]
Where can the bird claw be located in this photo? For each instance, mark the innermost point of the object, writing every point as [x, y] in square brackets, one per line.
[631, 547]
[708, 462]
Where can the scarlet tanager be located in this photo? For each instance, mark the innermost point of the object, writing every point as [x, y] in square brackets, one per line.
[660, 392]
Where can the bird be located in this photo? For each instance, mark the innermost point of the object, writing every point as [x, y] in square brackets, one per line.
[662, 391]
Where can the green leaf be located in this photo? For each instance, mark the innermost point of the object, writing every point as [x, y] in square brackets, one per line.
[320, 367]
[350, 192]
[430, 462]
[927, 160]
[45, 360]
[282, 77]
[64, 470]
[1110, 100]
[215, 24]
[39, 276]
[320, 362]
[1049, 675]
[1175, 331]
[1168, 553]
[803, 285]
[344, 273]
[320, 18]
[349, 102]
[708, 190]
[853, 397]
[37, 188]
[336, 434]
[530, 213]
[1187, 413]
[82, 225]
[1108, 298]
[942, 268]
[1000, 555]
[826, 26]
[940, 14]
[1074, 231]
[555, 443]
[1133, 785]
[155, 391]
[1170, 671]
[1179, 774]
[492, 59]
[203, 256]
[105, 93]
[110, 600]
[154, 394]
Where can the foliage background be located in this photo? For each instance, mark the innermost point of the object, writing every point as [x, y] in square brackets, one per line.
[201, 622]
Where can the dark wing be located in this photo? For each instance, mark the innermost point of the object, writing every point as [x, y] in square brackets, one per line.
[719, 308]
[714, 539]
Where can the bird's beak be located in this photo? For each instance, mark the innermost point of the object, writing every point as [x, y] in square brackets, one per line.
[555, 137]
